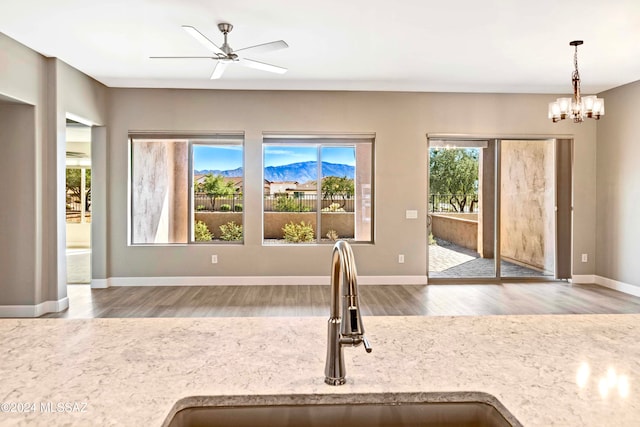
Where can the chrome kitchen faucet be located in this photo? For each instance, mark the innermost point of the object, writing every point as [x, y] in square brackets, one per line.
[345, 329]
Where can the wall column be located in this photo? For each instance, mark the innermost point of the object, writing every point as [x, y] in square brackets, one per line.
[486, 197]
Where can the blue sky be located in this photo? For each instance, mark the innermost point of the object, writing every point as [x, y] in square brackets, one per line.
[277, 155]
[217, 157]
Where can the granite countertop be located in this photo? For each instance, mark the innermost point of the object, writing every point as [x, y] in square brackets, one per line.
[564, 370]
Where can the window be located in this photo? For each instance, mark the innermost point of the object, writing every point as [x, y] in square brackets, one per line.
[186, 189]
[317, 189]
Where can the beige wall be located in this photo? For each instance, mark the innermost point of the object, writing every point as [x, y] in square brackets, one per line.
[72, 92]
[78, 235]
[18, 208]
[52, 89]
[68, 92]
[363, 189]
[527, 205]
[23, 77]
[343, 224]
[159, 191]
[400, 121]
[618, 192]
[23, 72]
[461, 229]
[467, 216]
[486, 198]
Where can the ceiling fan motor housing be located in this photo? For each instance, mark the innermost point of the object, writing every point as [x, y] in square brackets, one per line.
[225, 28]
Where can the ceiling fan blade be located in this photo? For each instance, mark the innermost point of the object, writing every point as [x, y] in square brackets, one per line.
[202, 39]
[183, 57]
[218, 70]
[262, 66]
[265, 47]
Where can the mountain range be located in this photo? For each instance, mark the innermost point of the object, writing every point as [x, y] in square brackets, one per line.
[301, 172]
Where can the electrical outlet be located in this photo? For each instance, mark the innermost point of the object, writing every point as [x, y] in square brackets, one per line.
[400, 259]
[585, 258]
[214, 259]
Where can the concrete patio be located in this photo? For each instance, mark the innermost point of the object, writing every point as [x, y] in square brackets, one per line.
[448, 260]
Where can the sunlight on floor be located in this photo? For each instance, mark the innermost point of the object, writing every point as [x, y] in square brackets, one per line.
[79, 265]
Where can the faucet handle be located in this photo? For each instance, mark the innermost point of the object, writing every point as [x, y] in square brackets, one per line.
[366, 344]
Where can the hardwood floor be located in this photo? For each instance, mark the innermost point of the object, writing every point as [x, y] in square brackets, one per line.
[387, 300]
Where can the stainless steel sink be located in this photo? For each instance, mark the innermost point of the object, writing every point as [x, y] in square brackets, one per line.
[390, 410]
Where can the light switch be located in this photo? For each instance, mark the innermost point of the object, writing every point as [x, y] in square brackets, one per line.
[411, 214]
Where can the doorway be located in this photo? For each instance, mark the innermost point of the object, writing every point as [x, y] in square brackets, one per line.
[78, 202]
[499, 209]
[457, 200]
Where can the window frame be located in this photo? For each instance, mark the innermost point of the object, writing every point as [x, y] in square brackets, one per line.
[319, 141]
[196, 138]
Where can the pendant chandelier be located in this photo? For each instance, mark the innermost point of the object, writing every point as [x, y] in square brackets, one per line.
[579, 107]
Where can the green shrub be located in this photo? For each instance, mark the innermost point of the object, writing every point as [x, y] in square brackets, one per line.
[225, 208]
[284, 203]
[333, 207]
[200, 208]
[202, 233]
[298, 233]
[231, 231]
[238, 207]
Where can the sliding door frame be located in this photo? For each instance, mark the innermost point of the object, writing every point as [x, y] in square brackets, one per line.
[563, 214]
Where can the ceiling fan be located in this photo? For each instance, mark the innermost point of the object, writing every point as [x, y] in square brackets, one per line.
[225, 55]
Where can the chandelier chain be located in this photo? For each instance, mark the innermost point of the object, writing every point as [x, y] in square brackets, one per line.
[576, 76]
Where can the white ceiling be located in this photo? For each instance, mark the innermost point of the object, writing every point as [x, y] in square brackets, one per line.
[406, 45]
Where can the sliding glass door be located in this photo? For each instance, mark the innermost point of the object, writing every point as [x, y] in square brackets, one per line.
[499, 208]
[461, 209]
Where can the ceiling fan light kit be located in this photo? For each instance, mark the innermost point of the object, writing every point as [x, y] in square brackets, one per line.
[226, 55]
[579, 107]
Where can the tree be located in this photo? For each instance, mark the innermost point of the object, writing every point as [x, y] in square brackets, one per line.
[216, 187]
[74, 185]
[333, 187]
[454, 172]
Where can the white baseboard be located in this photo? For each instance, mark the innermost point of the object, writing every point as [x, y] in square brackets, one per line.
[249, 281]
[618, 286]
[607, 283]
[99, 283]
[36, 310]
[392, 280]
[585, 278]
